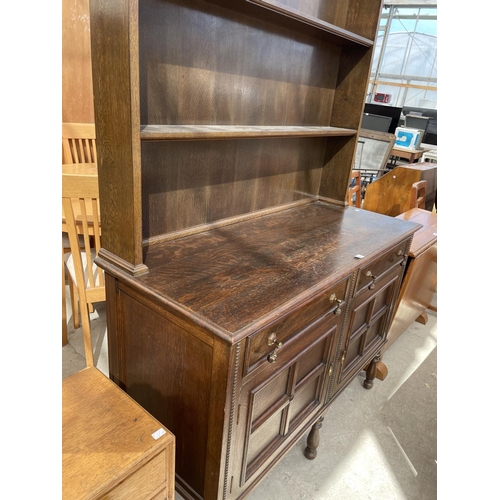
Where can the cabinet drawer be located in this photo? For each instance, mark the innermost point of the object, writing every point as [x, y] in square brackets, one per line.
[377, 269]
[283, 331]
[143, 483]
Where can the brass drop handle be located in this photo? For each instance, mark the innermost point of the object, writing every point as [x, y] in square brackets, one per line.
[340, 304]
[273, 341]
[342, 365]
[370, 275]
[400, 254]
[272, 357]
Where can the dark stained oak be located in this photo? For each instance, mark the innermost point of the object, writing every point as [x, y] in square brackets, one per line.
[236, 274]
[243, 294]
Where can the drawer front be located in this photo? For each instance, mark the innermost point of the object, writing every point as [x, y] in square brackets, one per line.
[277, 338]
[144, 483]
[279, 401]
[371, 274]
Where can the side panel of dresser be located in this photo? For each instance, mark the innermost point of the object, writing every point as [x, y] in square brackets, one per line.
[182, 375]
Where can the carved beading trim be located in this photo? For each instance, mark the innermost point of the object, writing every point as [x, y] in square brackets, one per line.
[231, 418]
[342, 333]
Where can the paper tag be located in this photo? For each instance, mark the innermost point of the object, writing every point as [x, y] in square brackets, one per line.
[159, 433]
[359, 256]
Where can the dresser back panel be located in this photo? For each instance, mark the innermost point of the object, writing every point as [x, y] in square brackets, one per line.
[230, 69]
[189, 183]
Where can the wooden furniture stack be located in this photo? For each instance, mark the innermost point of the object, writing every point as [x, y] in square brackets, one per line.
[111, 447]
[243, 293]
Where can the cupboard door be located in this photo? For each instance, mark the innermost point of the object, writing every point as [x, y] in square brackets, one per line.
[279, 402]
[366, 330]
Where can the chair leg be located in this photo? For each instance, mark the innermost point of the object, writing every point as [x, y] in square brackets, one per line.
[87, 335]
[64, 318]
[74, 304]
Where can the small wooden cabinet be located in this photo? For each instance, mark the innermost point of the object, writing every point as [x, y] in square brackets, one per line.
[112, 448]
[420, 278]
[237, 276]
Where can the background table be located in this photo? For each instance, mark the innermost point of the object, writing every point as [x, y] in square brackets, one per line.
[409, 154]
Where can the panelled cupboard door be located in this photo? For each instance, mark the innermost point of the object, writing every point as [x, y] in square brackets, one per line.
[369, 315]
[280, 401]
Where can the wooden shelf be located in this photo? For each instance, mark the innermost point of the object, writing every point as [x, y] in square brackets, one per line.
[220, 132]
[341, 34]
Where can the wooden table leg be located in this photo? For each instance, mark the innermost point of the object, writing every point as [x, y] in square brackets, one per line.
[313, 440]
[371, 372]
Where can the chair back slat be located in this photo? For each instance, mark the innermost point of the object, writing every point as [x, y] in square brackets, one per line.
[79, 145]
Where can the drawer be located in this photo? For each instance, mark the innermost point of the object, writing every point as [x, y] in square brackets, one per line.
[144, 483]
[277, 337]
[371, 273]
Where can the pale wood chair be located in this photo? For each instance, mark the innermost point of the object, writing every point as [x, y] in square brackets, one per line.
[78, 146]
[80, 200]
[356, 189]
[78, 143]
[417, 194]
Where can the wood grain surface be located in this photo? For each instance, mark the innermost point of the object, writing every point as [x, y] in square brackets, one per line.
[236, 274]
[108, 443]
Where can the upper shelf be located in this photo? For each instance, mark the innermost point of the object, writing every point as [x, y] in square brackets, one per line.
[343, 36]
[215, 132]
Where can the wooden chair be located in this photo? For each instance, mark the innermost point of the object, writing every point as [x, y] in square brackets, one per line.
[417, 195]
[66, 248]
[80, 200]
[356, 189]
[78, 146]
[78, 143]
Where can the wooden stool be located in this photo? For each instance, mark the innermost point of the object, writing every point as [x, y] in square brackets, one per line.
[112, 447]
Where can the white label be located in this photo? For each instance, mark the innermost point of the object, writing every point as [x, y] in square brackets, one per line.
[159, 433]
[359, 256]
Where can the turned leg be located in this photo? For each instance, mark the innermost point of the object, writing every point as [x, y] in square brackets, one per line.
[371, 372]
[313, 440]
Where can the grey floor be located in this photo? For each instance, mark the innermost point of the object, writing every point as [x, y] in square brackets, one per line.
[378, 444]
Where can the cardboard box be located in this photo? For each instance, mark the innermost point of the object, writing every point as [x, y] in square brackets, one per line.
[408, 138]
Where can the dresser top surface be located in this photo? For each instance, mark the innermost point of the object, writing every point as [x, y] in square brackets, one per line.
[232, 276]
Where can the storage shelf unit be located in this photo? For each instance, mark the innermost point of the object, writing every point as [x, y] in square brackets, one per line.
[243, 294]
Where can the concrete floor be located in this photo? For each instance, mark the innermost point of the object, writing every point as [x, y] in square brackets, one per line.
[378, 444]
